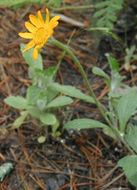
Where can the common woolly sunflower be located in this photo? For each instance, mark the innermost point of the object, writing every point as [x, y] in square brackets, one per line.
[40, 31]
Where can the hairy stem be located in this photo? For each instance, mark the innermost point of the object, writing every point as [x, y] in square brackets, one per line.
[78, 64]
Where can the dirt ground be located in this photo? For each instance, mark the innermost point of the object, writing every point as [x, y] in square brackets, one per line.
[85, 160]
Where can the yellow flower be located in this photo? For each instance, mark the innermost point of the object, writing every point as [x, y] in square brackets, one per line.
[39, 31]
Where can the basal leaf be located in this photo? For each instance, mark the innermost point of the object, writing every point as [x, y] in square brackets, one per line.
[17, 102]
[126, 106]
[109, 132]
[131, 137]
[34, 112]
[71, 91]
[84, 123]
[129, 165]
[59, 101]
[48, 118]
[19, 121]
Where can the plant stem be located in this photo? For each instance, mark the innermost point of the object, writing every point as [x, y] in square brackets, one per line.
[64, 52]
[74, 7]
[83, 74]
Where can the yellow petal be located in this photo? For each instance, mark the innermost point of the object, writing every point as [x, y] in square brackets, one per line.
[26, 35]
[35, 21]
[54, 21]
[40, 45]
[45, 41]
[40, 17]
[35, 53]
[47, 16]
[30, 27]
[54, 24]
[29, 45]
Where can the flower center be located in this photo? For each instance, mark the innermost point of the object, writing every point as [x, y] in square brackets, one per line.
[40, 36]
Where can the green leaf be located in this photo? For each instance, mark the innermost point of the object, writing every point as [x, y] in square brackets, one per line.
[129, 165]
[102, 4]
[36, 64]
[19, 121]
[51, 71]
[17, 102]
[106, 13]
[126, 107]
[33, 94]
[99, 13]
[34, 112]
[113, 63]
[59, 101]
[71, 91]
[130, 56]
[101, 73]
[48, 118]
[109, 132]
[51, 94]
[55, 128]
[131, 137]
[116, 82]
[53, 3]
[84, 123]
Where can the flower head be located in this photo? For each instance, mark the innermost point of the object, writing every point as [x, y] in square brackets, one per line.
[40, 31]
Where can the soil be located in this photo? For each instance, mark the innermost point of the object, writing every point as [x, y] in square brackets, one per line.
[84, 160]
